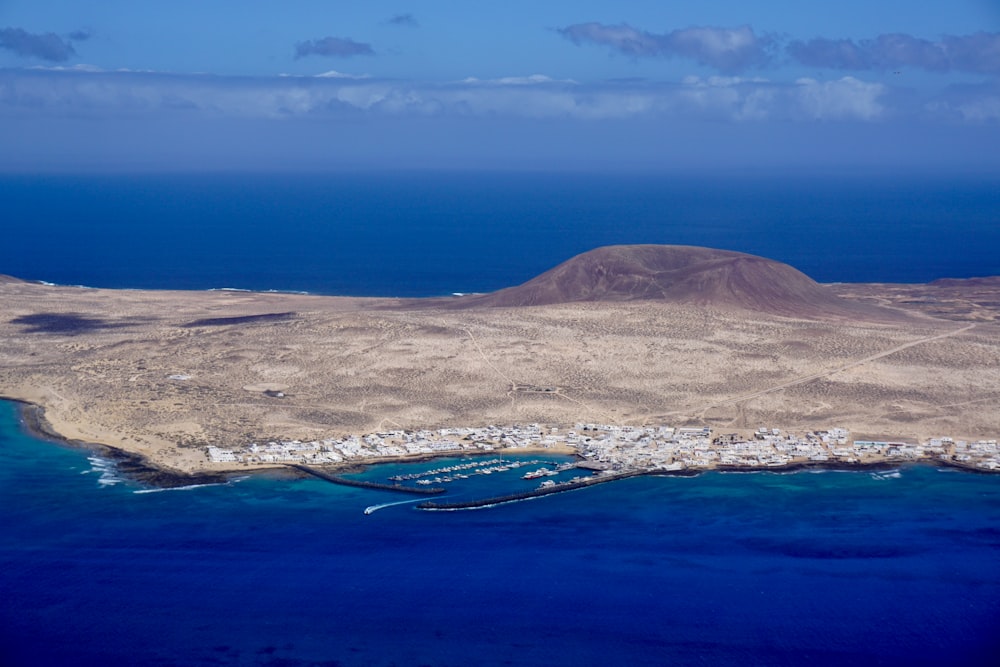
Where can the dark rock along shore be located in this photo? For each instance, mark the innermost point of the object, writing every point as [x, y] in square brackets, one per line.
[134, 466]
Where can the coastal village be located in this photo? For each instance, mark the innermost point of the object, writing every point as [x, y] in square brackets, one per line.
[623, 449]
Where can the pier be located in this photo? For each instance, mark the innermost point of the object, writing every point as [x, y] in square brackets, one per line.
[337, 479]
[431, 505]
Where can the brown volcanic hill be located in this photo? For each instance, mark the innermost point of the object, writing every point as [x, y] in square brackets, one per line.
[681, 274]
[9, 279]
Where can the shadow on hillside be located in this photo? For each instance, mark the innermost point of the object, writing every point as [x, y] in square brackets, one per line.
[242, 319]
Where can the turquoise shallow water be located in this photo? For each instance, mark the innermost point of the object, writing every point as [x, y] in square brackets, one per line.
[766, 569]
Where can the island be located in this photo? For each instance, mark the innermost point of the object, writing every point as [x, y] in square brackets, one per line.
[636, 359]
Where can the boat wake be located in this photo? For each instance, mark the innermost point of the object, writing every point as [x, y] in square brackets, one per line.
[189, 487]
[179, 488]
[371, 509]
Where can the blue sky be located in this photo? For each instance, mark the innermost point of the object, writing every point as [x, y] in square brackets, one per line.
[310, 84]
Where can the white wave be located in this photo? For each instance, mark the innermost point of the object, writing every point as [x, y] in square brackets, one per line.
[107, 469]
[265, 291]
[48, 284]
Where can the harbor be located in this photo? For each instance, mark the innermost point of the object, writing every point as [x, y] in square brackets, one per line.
[446, 474]
[650, 448]
[547, 488]
[345, 481]
[479, 482]
[486, 483]
[605, 452]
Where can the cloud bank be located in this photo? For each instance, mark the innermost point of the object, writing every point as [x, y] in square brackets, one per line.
[726, 49]
[733, 50]
[80, 91]
[977, 53]
[337, 47]
[62, 118]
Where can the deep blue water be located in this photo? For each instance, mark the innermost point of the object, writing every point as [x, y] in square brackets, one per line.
[420, 234]
[761, 569]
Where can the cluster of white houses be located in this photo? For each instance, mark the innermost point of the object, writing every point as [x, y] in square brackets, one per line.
[390, 444]
[614, 447]
[666, 449]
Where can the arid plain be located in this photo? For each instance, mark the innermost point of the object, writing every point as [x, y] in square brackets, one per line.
[165, 373]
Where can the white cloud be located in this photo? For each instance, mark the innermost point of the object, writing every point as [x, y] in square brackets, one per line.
[534, 79]
[71, 68]
[843, 99]
[334, 74]
[716, 46]
[972, 104]
[720, 80]
[726, 49]
[981, 111]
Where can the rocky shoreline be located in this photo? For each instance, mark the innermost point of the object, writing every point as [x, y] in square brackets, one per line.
[140, 469]
[134, 466]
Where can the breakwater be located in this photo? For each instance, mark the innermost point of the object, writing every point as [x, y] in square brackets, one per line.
[431, 505]
[337, 479]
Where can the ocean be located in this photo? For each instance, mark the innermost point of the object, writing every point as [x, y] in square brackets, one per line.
[434, 233]
[720, 569]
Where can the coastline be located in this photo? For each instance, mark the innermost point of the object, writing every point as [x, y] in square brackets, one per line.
[565, 487]
[168, 377]
[139, 468]
[131, 464]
